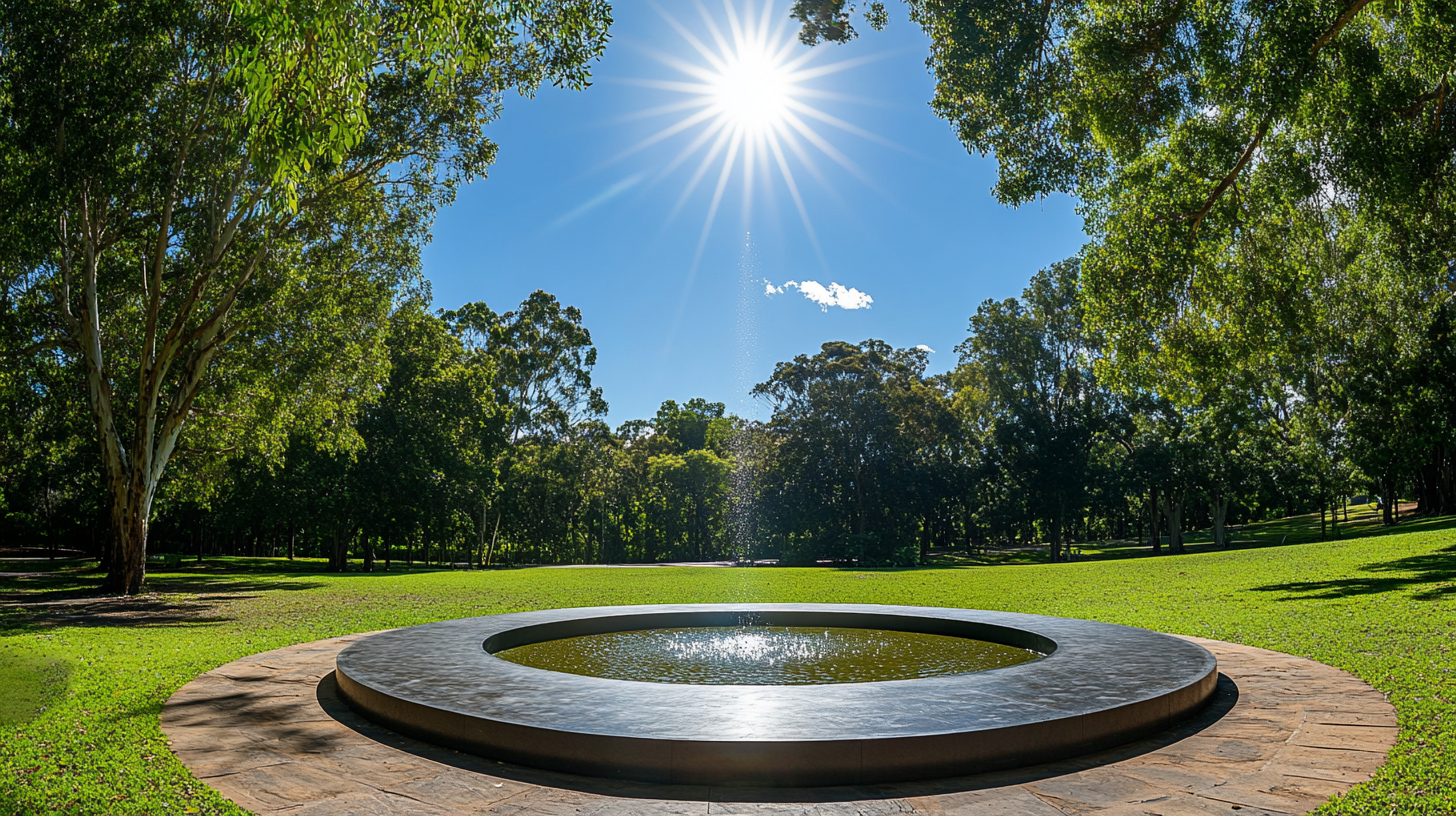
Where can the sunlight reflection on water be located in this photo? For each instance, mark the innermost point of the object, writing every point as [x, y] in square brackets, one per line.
[762, 655]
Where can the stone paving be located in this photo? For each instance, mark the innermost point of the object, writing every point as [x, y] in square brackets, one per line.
[1283, 735]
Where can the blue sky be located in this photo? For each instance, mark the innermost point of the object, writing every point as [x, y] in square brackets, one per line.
[577, 206]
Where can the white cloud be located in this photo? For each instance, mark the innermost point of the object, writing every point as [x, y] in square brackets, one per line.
[833, 295]
[924, 347]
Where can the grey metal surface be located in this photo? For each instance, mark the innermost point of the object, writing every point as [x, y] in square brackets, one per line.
[1101, 685]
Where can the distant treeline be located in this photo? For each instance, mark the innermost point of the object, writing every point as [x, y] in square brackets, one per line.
[482, 441]
[214, 330]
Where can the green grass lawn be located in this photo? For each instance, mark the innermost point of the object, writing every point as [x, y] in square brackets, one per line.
[83, 683]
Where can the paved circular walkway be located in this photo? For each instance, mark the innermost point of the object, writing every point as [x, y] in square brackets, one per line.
[1282, 735]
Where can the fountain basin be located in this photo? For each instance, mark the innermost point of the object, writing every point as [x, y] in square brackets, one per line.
[1099, 686]
[755, 655]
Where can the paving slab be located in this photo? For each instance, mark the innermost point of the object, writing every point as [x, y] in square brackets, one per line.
[1282, 735]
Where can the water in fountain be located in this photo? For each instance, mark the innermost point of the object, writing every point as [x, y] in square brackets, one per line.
[764, 655]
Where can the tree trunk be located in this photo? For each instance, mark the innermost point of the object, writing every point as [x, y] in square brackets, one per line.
[1219, 511]
[129, 554]
[480, 547]
[131, 505]
[1387, 499]
[368, 542]
[494, 536]
[1173, 512]
[292, 539]
[1447, 476]
[1155, 531]
[339, 552]
[1435, 484]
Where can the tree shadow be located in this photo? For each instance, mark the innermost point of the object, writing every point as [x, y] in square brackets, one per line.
[277, 567]
[1435, 571]
[222, 582]
[51, 602]
[28, 683]
[113, 612]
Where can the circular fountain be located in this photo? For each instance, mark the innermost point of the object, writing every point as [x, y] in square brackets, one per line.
[775, 694]
[760, 655]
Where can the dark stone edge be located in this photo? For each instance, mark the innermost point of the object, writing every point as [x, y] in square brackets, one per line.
[781, 763]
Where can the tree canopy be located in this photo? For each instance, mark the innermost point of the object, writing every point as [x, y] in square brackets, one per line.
[212, 273]
[212, 207]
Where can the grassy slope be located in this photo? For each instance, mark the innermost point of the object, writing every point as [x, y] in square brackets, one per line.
[1381, 607]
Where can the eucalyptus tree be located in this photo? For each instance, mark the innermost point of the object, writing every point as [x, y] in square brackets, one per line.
[552, 512]
[1437, 362]
[543, 357]
[689, 469]
[1249, 174]
[217, 202]
[1390, 381]
[1034, 358]
[934, 464]
[695, 425]
[1190, 130]
[1231, 449]
[670, 484]
[843, 461]
[432, 434]
[693, 500]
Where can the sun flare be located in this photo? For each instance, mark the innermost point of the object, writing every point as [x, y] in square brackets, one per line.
[745, 106]
[753, 90]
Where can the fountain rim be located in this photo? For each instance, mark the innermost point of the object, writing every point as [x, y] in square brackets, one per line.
[1102, 685]
[533, 633]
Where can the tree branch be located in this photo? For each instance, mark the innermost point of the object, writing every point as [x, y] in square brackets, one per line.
[1223, 186]
[1228, 181]
[1437, 94]
[1340, 22]
[67, 316]
[88, 327]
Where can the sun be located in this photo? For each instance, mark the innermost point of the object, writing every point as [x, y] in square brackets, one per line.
[753, 90]
[746, 106]
[746, 109]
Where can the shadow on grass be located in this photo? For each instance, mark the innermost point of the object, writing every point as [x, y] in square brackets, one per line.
[1433, 574]
[50, 602]
[130, 613]
[235, 583]
[28, 683]
[281, 568]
